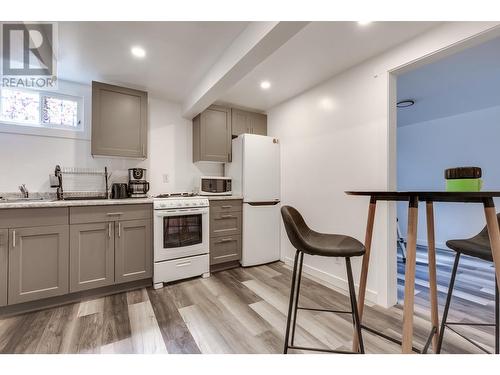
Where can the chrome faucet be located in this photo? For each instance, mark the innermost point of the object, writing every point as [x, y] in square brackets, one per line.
[24, 191]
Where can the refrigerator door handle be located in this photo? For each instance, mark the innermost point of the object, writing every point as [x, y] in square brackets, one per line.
[266, 203]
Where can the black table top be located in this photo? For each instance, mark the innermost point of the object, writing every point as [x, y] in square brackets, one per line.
[430, 196]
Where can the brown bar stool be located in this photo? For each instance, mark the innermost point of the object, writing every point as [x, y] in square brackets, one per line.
[477, 247]
[307, 241]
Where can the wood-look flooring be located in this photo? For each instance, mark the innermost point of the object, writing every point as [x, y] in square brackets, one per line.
[236, 311]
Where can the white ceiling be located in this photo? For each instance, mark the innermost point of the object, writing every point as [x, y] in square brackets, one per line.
[465, 81]
[178, 53]
[319, 51]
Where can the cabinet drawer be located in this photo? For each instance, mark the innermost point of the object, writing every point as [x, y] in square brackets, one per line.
[176, 269]
[33, 217]
[230, 205]
[100, 214]
[225, 224]
[225, 249]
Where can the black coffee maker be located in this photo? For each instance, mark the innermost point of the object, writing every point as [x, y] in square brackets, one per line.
[138, 187]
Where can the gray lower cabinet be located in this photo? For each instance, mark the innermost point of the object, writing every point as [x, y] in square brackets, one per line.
[133, 250]
[38, 263]
[244, 122]
[4, 259]
[119, 121]
[91, 256]
[225, 249]
[225, 233]
[212, 135]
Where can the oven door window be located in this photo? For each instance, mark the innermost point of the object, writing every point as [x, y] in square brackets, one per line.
[180, 231]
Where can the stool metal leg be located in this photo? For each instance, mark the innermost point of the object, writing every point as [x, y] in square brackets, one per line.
[497, 326]
[354, 306]
[290, 304]
[448, 301]
[297, 294]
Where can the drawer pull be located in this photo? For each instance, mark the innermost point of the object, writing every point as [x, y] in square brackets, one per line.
[224, 240]
[227, 217]
[226, 256]
[114, 213]
[226, 206]
[183, 264]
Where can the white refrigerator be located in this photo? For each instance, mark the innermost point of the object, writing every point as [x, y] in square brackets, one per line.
[255, 173]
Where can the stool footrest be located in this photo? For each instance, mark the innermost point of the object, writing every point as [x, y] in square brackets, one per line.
[394, 340]
[325, 310]
[468, 340]
[322, 350]
[471, 324]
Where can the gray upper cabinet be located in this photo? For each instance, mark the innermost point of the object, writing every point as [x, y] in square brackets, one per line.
[133, 250]
[119, 121]
[92, 255]
[248, 122]
[212, 135]
[38, 263]
[4, 248]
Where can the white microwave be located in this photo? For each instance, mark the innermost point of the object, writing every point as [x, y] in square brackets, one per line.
[210, 185]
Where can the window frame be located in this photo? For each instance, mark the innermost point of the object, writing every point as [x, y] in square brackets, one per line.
[47, 129]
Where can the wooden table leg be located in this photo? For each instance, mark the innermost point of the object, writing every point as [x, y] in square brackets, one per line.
[494, 234]
[431, 243]
[364, 267]
[411, 259]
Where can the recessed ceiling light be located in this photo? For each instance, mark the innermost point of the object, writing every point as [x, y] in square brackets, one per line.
[364, 23]
[264, 85]
[138, 51]
[405, 103]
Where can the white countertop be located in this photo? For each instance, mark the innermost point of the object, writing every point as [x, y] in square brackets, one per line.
[74, 203]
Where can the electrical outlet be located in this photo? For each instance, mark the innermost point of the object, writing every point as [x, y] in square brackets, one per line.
[166, 178]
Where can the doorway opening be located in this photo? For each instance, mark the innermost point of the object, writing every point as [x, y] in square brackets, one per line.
[449, 116]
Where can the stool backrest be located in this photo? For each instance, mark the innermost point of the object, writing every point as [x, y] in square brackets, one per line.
[296, 227]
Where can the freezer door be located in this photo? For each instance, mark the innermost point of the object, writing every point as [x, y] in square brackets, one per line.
[261, 234]
[261, 168]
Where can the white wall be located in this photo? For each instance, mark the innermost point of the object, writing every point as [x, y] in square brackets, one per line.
[335, 137]
[427, 148]
[30, 159]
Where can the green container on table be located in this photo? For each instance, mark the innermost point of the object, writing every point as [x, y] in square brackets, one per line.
[464, 184]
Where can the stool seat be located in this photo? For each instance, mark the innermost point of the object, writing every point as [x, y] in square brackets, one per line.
[331, 245]
[311, 242]
[474, 247]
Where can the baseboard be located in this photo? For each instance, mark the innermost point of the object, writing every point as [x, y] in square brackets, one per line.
[334, 282]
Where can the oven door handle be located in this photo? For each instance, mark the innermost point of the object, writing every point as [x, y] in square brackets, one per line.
[187, 211]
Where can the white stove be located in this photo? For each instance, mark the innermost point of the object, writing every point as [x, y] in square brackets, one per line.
[181, 243]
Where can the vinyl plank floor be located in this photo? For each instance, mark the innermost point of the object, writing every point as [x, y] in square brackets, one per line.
[243, 310]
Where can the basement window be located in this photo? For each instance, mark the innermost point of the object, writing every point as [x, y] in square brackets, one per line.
[38, 109]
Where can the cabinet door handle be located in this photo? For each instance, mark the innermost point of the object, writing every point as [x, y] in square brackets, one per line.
[109, 230]
[119, 229]
[13, 238]
[114, 213]
[225, 240]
